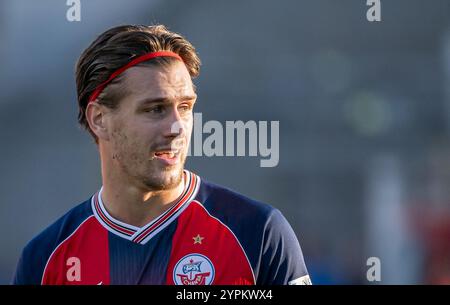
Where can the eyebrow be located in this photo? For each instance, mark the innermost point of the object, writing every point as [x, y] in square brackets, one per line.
[147, 101]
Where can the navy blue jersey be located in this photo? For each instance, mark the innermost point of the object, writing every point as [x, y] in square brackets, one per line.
[211, 235]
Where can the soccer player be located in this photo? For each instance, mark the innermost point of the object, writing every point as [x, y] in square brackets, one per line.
[152, 221]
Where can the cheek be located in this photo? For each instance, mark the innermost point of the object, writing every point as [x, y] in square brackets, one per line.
[118, 141]
[124, 141]
[119, 134]
[128, 147]
[188, 125]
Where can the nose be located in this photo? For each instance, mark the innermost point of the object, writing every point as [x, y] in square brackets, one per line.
[175, 125]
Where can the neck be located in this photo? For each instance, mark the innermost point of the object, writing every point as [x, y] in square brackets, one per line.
[132, 204]
[136, 207]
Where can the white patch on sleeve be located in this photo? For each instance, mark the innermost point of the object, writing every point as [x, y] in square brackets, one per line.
[303, 280]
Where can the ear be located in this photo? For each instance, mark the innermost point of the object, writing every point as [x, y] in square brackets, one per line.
[97, 119]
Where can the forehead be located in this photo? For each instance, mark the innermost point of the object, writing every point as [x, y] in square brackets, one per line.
[158, 81]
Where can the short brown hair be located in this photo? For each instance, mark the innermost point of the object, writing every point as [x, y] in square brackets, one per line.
[114, 49]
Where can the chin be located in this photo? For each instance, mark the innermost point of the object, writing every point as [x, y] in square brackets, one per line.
[165, 179]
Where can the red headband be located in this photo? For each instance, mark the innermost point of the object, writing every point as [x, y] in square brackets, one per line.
[134, 62]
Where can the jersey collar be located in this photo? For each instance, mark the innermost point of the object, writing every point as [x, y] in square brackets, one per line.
[143, 234]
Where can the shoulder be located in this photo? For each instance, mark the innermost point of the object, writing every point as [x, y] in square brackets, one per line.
[61, 228]
[266, 236]
[37, 251]
[229, 204]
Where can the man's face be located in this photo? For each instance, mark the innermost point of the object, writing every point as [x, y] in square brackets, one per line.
[150, 131]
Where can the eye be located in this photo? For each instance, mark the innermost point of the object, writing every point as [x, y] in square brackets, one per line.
[155, 109]
[185, 107]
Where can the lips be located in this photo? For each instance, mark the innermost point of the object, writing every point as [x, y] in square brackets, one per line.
[169, 154]
[167, 157]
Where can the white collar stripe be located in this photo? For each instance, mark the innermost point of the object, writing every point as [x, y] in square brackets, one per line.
[110, 222]
[143, 234]
[186, 189]
[112, 219]
[191, 187]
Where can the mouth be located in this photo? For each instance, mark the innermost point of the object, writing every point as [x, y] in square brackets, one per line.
[167, 157]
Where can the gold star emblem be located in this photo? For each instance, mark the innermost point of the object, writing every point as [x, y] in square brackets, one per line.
[198, 239]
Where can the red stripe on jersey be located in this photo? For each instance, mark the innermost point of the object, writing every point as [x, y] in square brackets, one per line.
[171, 212]
[81, 259]
[205, 251]
[106, 219]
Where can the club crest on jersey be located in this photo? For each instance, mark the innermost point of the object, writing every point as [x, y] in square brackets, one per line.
[193, 269]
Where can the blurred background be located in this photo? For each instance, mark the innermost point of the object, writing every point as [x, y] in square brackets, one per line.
[364, 112]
